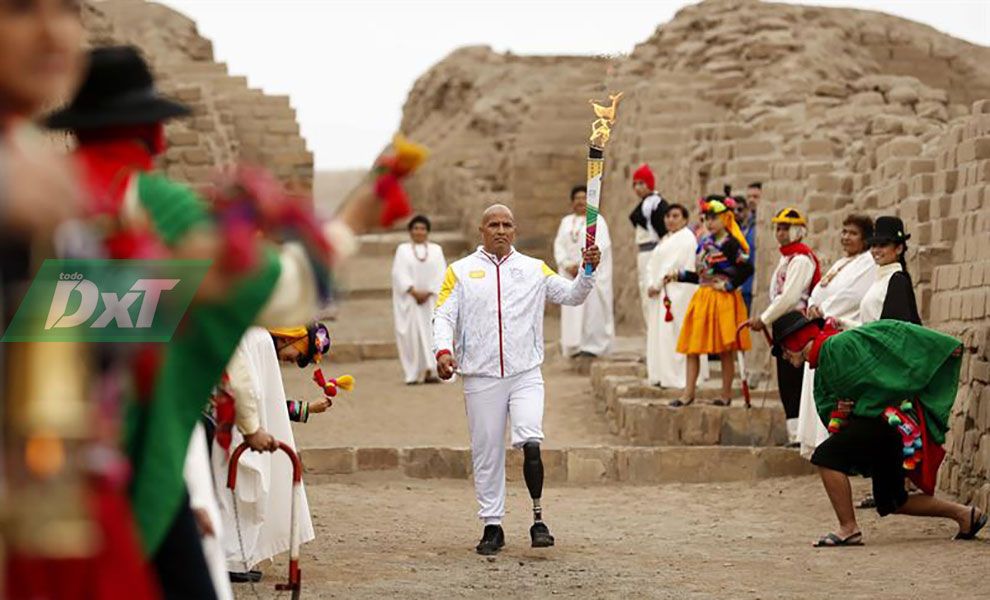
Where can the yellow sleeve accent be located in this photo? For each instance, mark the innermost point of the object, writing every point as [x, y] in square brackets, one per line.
[447, 288]
[547, 271]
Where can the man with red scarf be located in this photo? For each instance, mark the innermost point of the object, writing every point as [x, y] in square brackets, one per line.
[796, 274]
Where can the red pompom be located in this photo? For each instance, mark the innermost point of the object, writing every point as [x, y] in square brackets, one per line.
[395, 202]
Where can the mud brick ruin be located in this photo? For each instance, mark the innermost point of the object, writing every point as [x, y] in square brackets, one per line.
[834, 110]
[232, 122]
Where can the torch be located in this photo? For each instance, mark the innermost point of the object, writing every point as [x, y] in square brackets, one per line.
[601, 130]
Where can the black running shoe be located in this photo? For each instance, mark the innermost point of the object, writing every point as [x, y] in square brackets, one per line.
[492, 540]
[540, 535]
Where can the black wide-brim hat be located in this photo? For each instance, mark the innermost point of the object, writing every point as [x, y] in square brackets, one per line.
[787, 324]
[118, 90]
[888, 230]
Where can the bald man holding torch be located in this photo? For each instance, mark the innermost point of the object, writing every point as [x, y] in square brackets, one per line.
[488, 326]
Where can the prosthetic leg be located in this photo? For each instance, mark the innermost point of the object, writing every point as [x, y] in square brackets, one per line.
[533, 473]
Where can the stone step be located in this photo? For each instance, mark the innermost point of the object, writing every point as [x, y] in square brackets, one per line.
[438, 223]
[610, 371]
[383, 244]
[709, 389]
[639, 412]
[650, 422]
[575, 465]
[365, 276]
[369, 319]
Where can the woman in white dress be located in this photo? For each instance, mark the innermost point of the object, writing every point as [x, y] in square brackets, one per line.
[587, 329]
[417, 273]
[838, 295]
[676, 252]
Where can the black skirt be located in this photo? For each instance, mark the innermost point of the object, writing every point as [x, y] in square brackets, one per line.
[871, 448]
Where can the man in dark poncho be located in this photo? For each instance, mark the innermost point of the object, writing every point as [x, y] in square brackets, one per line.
[859, 374]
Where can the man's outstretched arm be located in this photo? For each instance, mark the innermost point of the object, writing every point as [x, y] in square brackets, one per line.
[573, 292]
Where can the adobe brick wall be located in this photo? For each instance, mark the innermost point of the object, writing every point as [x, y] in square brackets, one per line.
[834, 110]
[232, 122]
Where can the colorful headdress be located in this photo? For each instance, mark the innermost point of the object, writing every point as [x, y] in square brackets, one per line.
[713, 207]
[644, 174]
[728, 218]
[790, 216]
[312, 341]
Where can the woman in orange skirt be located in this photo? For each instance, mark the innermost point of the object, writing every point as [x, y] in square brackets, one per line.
[717, 308]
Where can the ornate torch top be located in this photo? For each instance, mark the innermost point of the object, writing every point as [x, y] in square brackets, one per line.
[601, 129]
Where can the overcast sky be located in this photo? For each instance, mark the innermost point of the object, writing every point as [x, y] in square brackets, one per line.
[348, 64]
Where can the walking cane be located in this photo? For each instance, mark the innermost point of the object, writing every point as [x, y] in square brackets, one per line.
[742, 362]
[294, 584]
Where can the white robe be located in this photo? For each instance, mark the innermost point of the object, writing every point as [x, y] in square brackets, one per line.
[413, 322]
[839, 295]
[264, 480]
[664, 366]
[588, 327]
[199, 482]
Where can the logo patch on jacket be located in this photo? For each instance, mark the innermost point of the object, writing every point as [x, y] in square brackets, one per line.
[476, 274]
[516, 273]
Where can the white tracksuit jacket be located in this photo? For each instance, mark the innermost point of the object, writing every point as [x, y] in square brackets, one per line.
[489, 313]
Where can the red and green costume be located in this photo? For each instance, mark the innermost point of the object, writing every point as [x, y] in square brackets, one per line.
[882, 363]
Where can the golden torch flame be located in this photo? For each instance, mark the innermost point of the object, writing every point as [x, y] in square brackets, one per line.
[601, 129]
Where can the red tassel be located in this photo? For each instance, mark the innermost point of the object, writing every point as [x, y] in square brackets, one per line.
[329, 390]
[668, 316]
[395, 202]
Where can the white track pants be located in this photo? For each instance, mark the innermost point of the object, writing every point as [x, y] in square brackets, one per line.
[489, 400]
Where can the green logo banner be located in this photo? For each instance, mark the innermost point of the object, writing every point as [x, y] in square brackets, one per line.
[102, 300]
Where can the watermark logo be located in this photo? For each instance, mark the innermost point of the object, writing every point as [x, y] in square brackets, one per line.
[106, 300]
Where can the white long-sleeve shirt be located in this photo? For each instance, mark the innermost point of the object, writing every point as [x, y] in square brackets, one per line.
[489, 312]
[842, 288]
[792, 293]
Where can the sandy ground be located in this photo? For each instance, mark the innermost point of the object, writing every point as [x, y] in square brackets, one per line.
[381, 537]
[383, 412]
[414, 539]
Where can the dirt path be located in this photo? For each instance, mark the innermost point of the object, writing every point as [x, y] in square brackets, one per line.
[395, 538]
[384, 412]
[414, 539]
